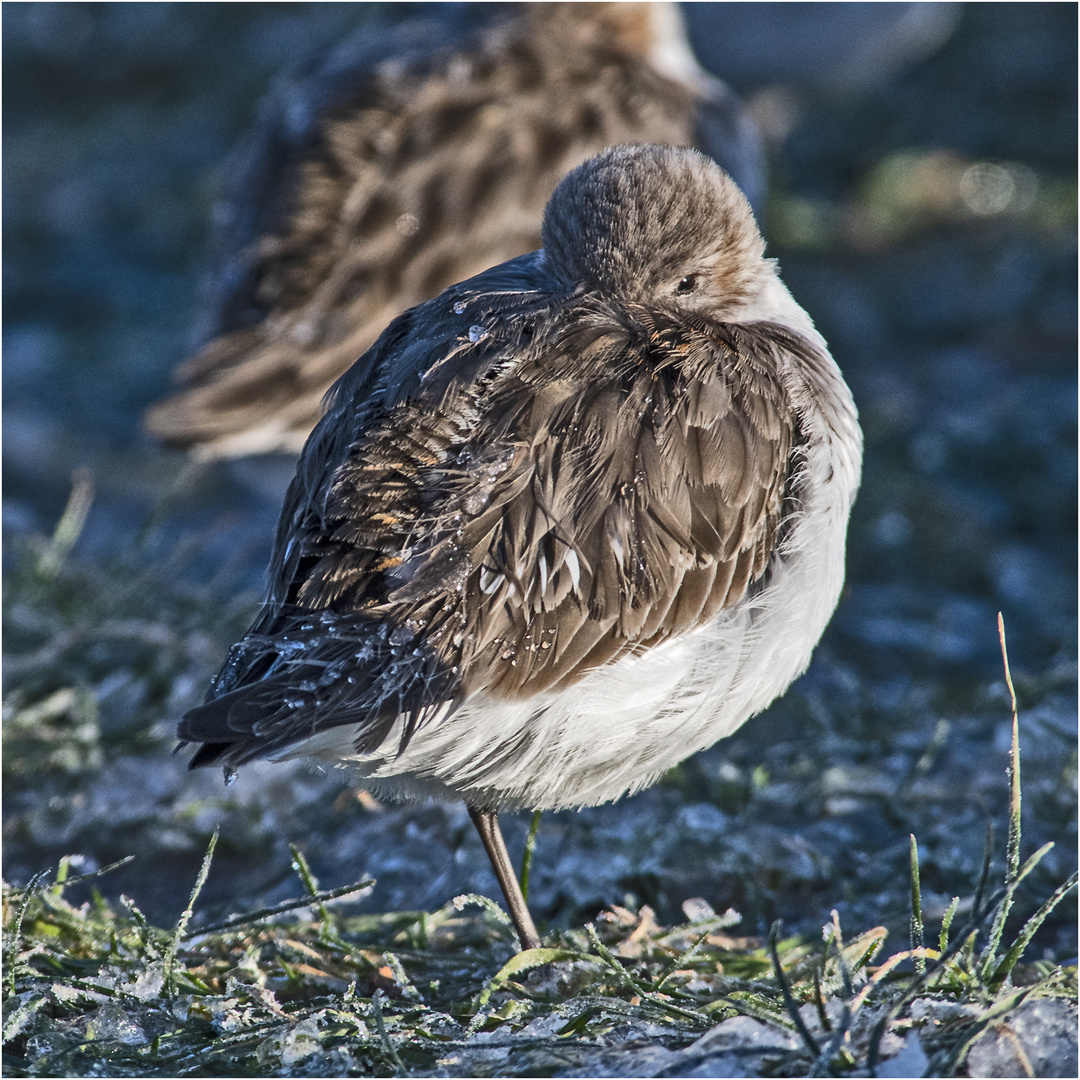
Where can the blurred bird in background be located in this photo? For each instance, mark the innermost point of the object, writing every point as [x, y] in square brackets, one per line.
[408, 159]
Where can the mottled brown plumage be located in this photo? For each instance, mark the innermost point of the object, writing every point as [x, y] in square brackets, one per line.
[619, 468]
[420, 157]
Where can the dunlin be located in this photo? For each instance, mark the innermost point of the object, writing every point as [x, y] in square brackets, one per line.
[574, 519]
[411, 159]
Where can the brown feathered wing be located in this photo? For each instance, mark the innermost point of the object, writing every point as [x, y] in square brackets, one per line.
[539, 505]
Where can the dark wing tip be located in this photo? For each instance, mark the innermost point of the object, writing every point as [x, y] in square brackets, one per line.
[206, 726]
[206, 754]
[207, 723]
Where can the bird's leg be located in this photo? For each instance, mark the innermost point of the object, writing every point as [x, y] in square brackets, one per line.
[487, 825]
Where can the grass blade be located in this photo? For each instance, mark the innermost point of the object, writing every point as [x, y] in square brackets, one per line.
[484, 902]
[946, 923]
[526, 859]
[525, 961]
[388, 1046]
[185, 916]
[984, 874]
[1012, 847]
[15, 937]
[1023, 939]
[785, 991]
[70, 526]
[916, 907]
[308, 880]
[681, 960]
[279, 909]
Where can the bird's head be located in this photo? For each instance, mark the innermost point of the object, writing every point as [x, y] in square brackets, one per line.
[657, 225]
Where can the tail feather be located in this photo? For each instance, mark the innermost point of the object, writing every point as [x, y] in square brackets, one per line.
[275, 692]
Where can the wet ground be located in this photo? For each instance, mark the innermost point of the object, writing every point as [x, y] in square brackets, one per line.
[928, 223]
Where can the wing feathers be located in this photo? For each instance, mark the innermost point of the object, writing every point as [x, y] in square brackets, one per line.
[547, 509]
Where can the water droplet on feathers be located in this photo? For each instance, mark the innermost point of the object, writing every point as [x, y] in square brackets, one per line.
[477, 333]
[287, 648]
[459, 307]
[476, 501]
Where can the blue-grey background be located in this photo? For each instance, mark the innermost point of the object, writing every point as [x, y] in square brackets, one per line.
[923, 207]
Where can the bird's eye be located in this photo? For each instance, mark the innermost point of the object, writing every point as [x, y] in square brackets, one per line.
[687, 285]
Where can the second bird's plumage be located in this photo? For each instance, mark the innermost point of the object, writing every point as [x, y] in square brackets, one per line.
[571, 521]
[407, 160]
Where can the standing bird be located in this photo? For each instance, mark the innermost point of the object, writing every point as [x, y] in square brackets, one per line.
[410, 159]
[571, 521]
